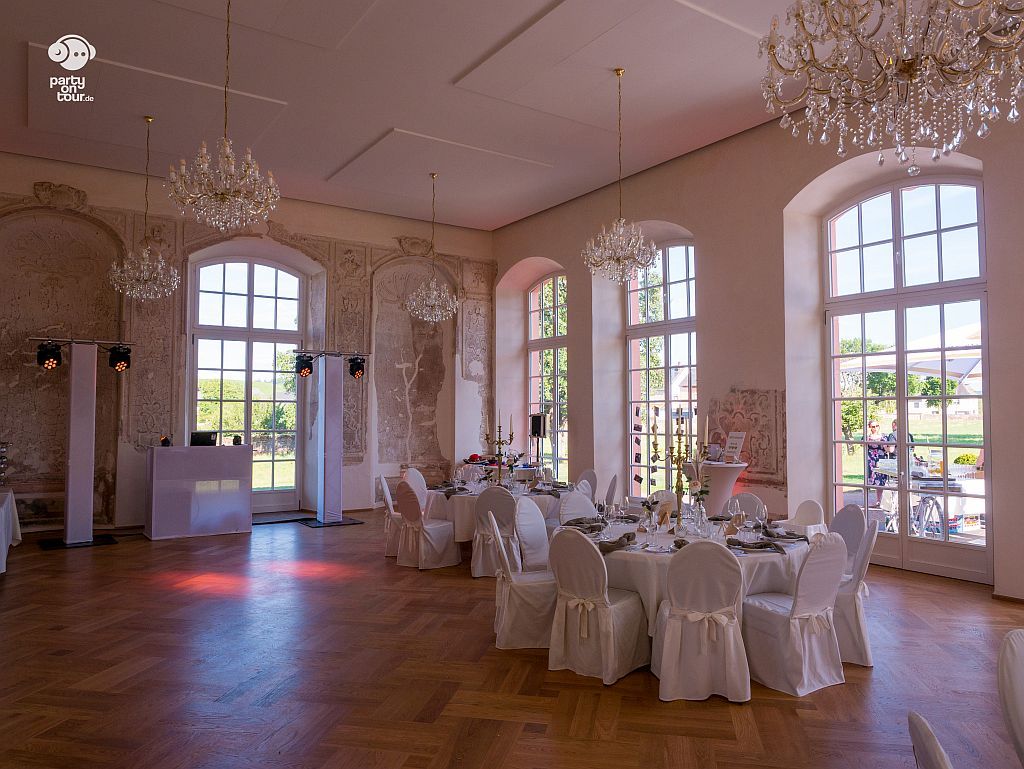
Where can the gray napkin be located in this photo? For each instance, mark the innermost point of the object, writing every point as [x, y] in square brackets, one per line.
[733, 542]
[787, 537]
[584, 522]
[629, 517]
[618, 544]
[680, 543]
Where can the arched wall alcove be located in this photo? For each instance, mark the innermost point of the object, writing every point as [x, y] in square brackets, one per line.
[804, 292]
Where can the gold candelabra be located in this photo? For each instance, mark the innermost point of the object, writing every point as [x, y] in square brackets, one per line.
[499, 446]
[678, 456]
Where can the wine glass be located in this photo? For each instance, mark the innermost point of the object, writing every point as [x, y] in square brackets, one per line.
[761, 516]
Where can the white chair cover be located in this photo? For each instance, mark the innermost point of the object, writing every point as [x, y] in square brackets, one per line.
[415, 479]
[808, 520]
[591, 479]
[850, 620]
[575, 504]
[664, 495]
[850, 524]
[471, 473]
[424, 543]
[393, 521]
[792, 638]
[609, 496]
[927, 751]
[497, 500]
[596, 631]
[524, 601]
[532, 535]
[750, 504]
[1011, 687]
[698, 644]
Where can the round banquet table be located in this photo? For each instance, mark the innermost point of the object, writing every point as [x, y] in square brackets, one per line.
[647, 573]
[460, 509]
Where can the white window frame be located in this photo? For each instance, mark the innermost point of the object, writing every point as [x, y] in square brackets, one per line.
[966, 561]
[554, 342]
[264, 500]
[666, 329]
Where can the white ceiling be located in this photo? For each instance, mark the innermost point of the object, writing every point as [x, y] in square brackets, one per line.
[353, 102]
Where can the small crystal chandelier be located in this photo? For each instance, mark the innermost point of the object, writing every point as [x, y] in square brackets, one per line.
[619, 252]
[145, 275]
[433, 299]
[231, 196]
[906, 72]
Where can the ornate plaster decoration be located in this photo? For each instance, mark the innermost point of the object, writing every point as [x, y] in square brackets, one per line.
[761, 414]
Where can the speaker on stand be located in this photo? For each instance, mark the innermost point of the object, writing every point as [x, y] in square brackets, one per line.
[538, 430]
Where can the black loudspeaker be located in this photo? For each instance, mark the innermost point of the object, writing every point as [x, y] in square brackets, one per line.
[538, 425]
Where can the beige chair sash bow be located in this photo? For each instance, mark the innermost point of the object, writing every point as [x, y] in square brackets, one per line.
[711, 620]
[585, 606]
[817, 623]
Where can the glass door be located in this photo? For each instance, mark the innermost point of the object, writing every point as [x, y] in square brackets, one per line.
[908, 429]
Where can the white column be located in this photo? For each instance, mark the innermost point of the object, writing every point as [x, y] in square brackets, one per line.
[330, 443]
[81, 445]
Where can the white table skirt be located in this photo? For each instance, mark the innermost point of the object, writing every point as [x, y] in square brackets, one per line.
[10, 529]
[647, 573]
[460, 509]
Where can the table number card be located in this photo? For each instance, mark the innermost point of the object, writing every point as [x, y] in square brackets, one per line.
[733, 446]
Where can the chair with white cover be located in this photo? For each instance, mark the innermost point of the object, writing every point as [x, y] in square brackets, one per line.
[664, 495]
[524, 601]
[597, 631]
[793, 636]
[575, 504]
[393, 521]
[850, 621]
[850, 524]
[532, 535]
[1011, 687]
[698, 643]
[808, 520]
[609, 496]
[415, 479]
[928, 752]
[590, 476]
[471, 473]
[424, 543]
[497, 500]
[750, 504]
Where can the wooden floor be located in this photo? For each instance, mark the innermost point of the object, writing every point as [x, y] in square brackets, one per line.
[303, 648]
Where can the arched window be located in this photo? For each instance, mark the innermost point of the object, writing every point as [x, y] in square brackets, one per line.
[905, 311]
[245, 330]
[548, 367]
[661, 346]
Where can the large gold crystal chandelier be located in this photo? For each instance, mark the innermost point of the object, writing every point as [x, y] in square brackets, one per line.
[433, 300]
[145, 274]
[230, 196]
[618, 252]
[902, 73]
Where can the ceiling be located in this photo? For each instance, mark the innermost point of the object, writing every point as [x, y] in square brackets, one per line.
[354, 102]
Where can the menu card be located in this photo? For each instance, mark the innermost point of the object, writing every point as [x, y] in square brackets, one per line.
[733, 446]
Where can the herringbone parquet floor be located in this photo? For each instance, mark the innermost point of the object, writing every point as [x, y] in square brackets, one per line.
[296, 648]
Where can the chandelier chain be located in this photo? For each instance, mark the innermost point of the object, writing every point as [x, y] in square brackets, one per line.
[145, 211]
[227, 65]
[618, 77]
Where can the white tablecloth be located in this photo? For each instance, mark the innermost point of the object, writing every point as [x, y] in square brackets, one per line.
[460, 509]
[647, 573]
[10, 529]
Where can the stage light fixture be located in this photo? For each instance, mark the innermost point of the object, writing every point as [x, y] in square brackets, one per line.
[48, 355]
[120, 358]
[356, 367]
[303, 365]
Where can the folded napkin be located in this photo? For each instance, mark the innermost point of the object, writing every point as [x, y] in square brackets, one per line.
[618, 544]
[680, 542]
[584, 522]
[450, 492]
[787, 537]
[718, 518]
[629, 517]
[733, 542]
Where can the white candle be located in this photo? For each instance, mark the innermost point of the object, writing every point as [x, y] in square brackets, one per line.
[705, 431]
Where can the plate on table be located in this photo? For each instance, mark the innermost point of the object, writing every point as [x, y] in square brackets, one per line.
[661, 549]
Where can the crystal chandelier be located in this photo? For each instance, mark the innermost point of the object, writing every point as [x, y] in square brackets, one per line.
[906, 73]
[230, 196]
[619, 252]
[145, 275]
[433, 299]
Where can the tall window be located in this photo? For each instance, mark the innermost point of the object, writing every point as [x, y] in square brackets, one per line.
[906, 321]
[662, 356]
[547, 369]
[245, 333]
